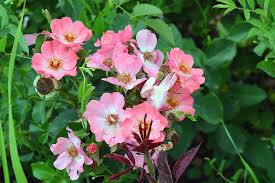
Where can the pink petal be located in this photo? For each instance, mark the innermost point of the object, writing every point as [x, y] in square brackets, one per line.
[146, 40]
[60, 146]
[62, 161]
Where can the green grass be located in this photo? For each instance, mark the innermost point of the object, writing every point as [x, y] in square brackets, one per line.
[17, 167]
[4, 156]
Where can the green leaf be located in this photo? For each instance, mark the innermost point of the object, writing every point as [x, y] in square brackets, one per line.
[251, 4]
[4, 156]
[248, 95]
[268, 66]
[22, 41]
[3, 42]
[246, 14]
[61, 121]
[4, 16]
[17, 167]
[266, 5]
[221, 6]
[260, 48]
[151, 167]
[84, 93]
[43, 139]
[119, 2]
[243, 3]
[209, 108]
[220, 53]
[146, 9]
[120, 21]
[38, 43]
[162, 29]
[39, 113]
[43, 172]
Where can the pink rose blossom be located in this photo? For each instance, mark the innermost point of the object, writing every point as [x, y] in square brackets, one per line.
[179, 99]
[127, 66]
[55, 60]
[72, 34]
[156, 94]
[126, 34]
[151, 58]
[142, 115]
[70, 155]
[103, 59]
[106, 118]
[181, 64]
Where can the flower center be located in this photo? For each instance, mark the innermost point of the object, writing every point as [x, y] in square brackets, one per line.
[148, 55]
[112, 119]
[185, 69]
[45, 86]
[172, 102]
[129, 47]
[55, 63]
[72, 151]
[70, 37]
[124, 78]
[108, 62]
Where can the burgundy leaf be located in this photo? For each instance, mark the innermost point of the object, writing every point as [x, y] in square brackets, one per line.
[164, 172]
[118, 157]
[118, 174]
[181, 165]
[153, 145]
[129, 153]
[141, 177]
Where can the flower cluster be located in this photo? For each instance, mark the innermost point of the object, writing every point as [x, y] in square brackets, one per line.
[163, 87]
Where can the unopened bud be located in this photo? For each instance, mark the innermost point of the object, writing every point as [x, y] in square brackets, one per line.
[46, 87]
[92, 148]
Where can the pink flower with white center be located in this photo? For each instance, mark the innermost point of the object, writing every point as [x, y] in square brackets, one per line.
[145, 117]
[179, 99]
[127, 66]
[55, 60]
[156, 94]
[106, 118]
[103, 59]
[72, 34]
[70, 155]
[181, 64]
[151, 58]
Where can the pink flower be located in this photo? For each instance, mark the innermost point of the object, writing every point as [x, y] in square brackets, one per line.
[108, 40]
[72, 34]
[103, 59]
[181, 64]
[126, 34]
[151, 58]
[179, 99]
[156, 94]
[145, 115]
[106, 118]
[70, 155]
[127, 66]
[92, 148]
[55, 60]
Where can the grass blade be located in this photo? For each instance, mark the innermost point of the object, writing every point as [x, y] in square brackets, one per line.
[17, 167]
[4, 156]
[246, 165]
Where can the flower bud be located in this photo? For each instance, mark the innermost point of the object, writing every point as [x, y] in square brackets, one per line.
[92, 148]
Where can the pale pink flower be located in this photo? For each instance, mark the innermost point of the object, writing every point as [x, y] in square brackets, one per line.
[106, 118]
[103, 59]
[70, 155]
[151, 58]
[126, 34]
[108, 40]
[155, 93]
[181, 64]
[179, 99]
[72, 34]
[127, 66]
[55, 60]
[142, 117]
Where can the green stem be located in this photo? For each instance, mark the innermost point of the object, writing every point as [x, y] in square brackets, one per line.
[16, 164]
[4, 156]
[246, 165]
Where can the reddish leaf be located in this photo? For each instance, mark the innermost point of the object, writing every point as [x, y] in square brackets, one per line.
[118, 157]
[181, 165]
[118, 174]
[141, 177]
[129, 153]
[164, 172]
[137, 137]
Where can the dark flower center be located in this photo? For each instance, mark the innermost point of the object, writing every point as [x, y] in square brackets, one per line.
[112, 119]
[108, 62]
[148, 55]
[45, 86]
